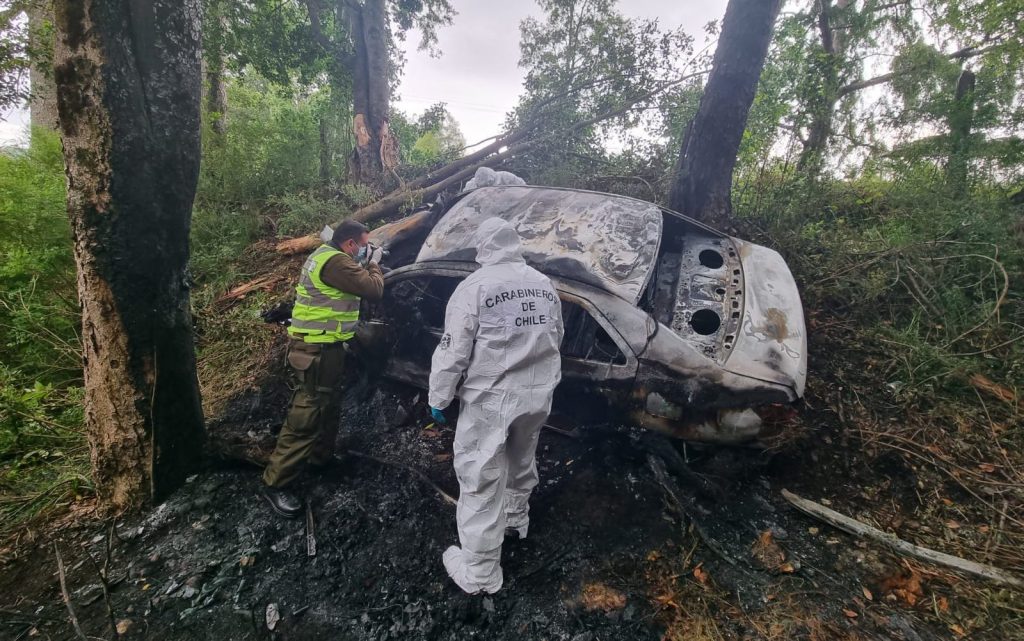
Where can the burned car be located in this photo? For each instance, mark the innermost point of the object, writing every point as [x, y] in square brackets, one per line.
[669, 324]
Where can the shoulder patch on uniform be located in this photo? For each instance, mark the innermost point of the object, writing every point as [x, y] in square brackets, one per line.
[446, 341]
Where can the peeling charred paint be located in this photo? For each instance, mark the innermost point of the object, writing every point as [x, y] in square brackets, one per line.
[610, 241]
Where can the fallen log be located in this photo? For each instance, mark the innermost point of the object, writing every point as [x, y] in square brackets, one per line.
[300, 245]
[266, 283]
[898, 545]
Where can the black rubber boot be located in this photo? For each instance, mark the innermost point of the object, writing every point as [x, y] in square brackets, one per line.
[282, 501]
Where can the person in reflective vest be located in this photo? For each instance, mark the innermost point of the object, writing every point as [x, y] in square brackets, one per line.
[324, 317]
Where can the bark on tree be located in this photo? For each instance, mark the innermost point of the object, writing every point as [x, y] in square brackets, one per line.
[703, 181]
[43, 96]
[376, 150]
[128, 87]
[961, 119]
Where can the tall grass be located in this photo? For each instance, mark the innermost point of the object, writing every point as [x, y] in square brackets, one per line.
[43, 453]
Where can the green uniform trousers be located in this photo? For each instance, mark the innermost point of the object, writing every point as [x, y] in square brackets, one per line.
[308, 434]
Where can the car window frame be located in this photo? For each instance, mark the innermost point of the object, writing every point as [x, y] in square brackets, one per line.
[565, 289]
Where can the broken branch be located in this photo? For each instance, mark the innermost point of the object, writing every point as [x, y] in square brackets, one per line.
[310, 532]
[898, 545]
[67, 597]
[504, 146]
[423, 477]
[104, 574]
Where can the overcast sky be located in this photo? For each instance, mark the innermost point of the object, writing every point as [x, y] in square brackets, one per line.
[477, 74]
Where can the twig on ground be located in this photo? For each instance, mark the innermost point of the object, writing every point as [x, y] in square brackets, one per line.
[573, 433]
[855, 527]
[310, 531]
[27, 615]
[104, 574]
[423, 477]
[67, 597]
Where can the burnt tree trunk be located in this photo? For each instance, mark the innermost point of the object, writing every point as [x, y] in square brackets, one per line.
[376, 148]
[703, 181]
[961, 120]
[128, 88]
[43, 96]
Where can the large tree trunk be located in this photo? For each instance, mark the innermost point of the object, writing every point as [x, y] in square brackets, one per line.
[43, 97]
[961, 119]
[128, 86]
[704, 171]
[376, 148]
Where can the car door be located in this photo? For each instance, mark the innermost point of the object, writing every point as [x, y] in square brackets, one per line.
[598, 367]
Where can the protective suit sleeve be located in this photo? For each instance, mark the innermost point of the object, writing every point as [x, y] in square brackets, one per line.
[453, 353]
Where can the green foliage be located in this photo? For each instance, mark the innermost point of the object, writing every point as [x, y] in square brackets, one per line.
[921, 275]
[38, 311]
[14, 53]
[304, 212]
[220, 233]
[582, 61]
[43, 454]
[432, 139]
[43, 458]
[271, 146]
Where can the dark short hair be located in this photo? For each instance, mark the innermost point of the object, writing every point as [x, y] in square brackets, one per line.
[348, 230]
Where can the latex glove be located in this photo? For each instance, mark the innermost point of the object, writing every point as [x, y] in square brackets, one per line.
[374, 254]
[438, 416]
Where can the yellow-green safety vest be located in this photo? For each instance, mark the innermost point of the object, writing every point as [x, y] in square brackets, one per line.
[322, 314]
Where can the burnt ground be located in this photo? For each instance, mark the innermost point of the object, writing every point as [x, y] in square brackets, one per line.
[617, 549]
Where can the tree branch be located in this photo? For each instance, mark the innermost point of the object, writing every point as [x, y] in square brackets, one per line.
[962, 54]
[852, 526]
[314, 9]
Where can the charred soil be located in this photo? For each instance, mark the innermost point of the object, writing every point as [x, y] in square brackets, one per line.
[632, 537]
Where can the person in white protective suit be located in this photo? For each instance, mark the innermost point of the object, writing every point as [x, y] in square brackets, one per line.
[503, 328]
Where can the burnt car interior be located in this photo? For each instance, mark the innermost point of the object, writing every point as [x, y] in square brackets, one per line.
[696, 287]
[415, 309]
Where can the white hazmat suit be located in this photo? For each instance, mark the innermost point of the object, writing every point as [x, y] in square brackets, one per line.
[503, 328]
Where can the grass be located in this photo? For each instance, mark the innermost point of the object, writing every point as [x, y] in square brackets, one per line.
[45, 456]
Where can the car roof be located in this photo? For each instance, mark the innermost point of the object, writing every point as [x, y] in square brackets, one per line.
[605, 240]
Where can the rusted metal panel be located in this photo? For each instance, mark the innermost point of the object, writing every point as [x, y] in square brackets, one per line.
[604, 240]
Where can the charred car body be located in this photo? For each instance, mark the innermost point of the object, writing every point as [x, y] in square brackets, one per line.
[669, 324]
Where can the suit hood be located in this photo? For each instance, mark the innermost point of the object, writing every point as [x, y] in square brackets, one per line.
[497, 242]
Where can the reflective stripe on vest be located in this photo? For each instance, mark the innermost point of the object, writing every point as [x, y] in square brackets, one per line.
[322, 314]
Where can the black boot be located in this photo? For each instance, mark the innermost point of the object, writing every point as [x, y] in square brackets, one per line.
[282, 501]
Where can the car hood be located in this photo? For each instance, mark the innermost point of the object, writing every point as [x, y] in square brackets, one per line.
[607, 241]
[771, 343]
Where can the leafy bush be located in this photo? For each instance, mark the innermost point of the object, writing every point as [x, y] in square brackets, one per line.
[271, 146]
[220, 233]
[43, 456]
[38, 310]
[930, 279]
